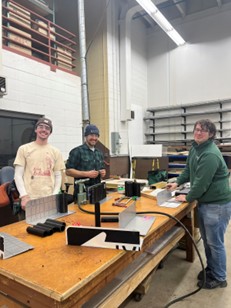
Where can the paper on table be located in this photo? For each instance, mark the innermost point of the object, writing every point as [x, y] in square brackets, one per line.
[171, 203]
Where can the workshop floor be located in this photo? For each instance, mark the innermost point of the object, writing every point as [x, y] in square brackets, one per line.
[178, 277]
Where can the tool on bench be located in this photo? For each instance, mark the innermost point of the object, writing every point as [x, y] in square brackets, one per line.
[82, 194]
[118, 201]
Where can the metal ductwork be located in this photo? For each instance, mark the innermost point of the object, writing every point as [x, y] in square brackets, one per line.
[82, 48]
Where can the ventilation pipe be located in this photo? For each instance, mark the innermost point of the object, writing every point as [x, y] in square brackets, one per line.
[82, 51]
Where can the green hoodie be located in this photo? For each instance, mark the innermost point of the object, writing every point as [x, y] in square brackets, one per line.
[207, 173]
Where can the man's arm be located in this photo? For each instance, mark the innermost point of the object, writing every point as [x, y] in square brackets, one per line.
[18, 177]
[82, 174]
[72, 166]
[102, 173]
[58, 182]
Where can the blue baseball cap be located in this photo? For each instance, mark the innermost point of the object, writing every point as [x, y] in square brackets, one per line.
[91, 130]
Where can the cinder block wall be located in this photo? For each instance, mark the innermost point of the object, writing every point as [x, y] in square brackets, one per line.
[33, 88]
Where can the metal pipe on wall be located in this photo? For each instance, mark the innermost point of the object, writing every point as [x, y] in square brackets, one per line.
[82, 49]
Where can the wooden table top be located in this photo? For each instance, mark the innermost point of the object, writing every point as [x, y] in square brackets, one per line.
[57, 270]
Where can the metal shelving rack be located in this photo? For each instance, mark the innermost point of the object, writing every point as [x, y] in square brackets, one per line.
[176, 164]
[174, 125]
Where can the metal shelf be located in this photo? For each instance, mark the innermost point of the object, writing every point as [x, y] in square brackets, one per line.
[184, 113]
[167, 108]
[180, 132]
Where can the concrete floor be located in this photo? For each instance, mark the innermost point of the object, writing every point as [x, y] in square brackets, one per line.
[179, 277]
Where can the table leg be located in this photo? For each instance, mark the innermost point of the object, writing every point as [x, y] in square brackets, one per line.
[188, 221]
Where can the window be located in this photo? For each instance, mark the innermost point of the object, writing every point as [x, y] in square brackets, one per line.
[16, 129]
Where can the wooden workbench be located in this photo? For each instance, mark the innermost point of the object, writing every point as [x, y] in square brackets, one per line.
[114, 183]
[57, 275]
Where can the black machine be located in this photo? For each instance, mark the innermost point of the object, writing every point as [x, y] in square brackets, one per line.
[96, 192]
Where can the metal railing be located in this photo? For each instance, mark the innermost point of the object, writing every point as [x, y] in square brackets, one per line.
[29, 34]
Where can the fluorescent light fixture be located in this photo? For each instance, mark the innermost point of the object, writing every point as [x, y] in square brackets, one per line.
[148, 6]
[175, 36]
[162, 21]
[159, 18]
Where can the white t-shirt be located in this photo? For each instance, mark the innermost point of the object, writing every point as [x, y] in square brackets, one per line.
[39, 162]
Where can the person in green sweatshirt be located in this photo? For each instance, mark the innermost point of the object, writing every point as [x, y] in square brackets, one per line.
[208, 175]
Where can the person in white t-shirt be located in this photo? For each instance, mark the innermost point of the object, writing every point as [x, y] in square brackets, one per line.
[38, 166]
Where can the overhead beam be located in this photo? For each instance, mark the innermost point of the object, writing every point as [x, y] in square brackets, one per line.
[181, 7]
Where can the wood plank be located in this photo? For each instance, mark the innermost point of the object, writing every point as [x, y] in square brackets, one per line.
[6, 302]
[143, 287]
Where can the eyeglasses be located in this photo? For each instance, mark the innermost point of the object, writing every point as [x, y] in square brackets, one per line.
[202, 131]
[46, 127]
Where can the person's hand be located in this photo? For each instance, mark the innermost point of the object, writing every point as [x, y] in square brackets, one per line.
[102, 173]
[24, 200]
[171, 186]
[92, 174]
[181, 198]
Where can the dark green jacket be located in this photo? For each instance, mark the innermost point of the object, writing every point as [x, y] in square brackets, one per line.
[207, 173]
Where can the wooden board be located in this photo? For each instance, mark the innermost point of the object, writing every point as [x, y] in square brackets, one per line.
[114, 183]
[19, 15]
[147, 194]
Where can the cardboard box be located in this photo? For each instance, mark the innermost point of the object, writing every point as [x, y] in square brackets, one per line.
[64, 65]
[23, 18]
[42, 30]
[17, 38]
[66, 56]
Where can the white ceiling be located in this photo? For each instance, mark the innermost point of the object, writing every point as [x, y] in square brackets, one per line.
[175, 9]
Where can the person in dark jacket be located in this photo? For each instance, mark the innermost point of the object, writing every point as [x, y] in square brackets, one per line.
[208, 175]
[86, 161]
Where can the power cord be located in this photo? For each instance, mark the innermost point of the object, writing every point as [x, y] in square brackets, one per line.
[197, 251]
[188, 233]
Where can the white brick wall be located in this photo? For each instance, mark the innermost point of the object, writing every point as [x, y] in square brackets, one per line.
[130, 132]
[33, 88]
